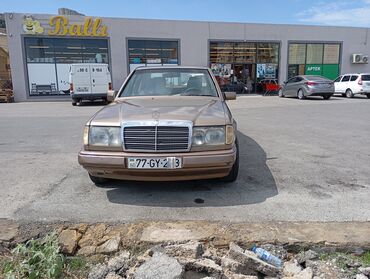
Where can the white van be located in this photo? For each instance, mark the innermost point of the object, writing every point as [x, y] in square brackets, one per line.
[89, 81]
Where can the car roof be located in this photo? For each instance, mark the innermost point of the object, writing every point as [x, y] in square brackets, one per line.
[355, 74]
[171, 67]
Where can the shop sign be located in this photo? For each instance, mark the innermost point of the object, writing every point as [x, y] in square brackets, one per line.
[60, 26]
[313, 69]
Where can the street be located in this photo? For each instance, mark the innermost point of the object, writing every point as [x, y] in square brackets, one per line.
[300, 161]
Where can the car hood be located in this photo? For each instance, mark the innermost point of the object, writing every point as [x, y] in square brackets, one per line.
[202, 111]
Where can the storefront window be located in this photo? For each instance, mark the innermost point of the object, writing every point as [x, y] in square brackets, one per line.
[49, 60]
[314, 53]
[152, 52]
[245, 52]
[268, 53]
[314, 59]
[244, 66]
[221, 52]
[297, 54]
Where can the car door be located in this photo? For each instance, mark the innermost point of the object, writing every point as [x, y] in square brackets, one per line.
[337, 84]
[344, 83]
[297, 84]
[288, 85]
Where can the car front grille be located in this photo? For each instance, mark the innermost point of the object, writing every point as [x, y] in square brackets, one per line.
[156, 138]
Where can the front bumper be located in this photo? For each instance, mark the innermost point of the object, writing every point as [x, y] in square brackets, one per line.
[196, 165]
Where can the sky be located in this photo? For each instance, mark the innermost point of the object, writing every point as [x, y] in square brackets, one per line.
[311, 12]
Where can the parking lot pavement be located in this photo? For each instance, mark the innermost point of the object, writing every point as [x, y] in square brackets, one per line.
[300, 161]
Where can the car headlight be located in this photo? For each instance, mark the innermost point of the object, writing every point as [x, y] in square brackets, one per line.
[208, 136]
[104, 136]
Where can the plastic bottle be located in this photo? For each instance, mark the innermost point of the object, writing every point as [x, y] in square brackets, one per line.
[267, 257]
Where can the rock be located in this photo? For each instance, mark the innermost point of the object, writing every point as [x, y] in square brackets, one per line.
[361, 276]
[291, 268]
[304, 256]
[98, 272]
[8, 230]
[307, 273]
[211, 254]
[112, 275]
[206, 266]
[99, 230]
[229, 275]
[193, 250]
[365, 270]
[81, 228]
[160, 266]
[87, 251]
[119, 262]
[251, 261]
[323, 270]
[68, 240]
[110, 246]
[235, 267]
[93, 235]
[304, 274]
[87, 239]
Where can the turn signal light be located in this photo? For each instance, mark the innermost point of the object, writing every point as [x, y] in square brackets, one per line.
[71, 87]
[110, 86]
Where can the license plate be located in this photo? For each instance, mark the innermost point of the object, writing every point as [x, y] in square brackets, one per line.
[82, 89]
[155, 163]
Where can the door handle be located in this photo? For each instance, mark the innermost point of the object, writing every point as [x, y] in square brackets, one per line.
[93, 80]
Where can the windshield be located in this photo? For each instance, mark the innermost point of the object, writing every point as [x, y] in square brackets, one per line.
[170, 82]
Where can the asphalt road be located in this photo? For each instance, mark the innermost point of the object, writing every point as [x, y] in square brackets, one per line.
[300, 161]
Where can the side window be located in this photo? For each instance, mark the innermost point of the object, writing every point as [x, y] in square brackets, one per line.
[298, 79]
[338, 79]
[353, 78]
[345, 78]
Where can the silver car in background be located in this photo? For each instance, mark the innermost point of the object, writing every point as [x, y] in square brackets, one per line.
[304, 85]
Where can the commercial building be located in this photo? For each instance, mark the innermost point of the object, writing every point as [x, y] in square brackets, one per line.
[42, 47]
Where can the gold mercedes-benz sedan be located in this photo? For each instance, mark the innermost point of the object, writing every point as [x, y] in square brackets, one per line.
[165, 123]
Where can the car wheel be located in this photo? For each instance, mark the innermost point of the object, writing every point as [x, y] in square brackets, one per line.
[349, 93]
[343, 94]
[98, 180]
[233, 174]
[281, 95]
[326, 97]
[74, 103]
[368, 96]
[300, 94]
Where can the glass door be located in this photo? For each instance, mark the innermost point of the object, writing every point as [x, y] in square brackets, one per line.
[245, 75]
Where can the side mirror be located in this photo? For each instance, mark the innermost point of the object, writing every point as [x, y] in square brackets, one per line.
[230, 95]
[111, 95]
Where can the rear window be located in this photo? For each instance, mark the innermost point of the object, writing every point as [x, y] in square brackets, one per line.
[345, 78]
[365, 77]
[353, 78]
[317, 78]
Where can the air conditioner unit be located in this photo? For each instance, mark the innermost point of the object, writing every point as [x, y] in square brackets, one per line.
[359, 59]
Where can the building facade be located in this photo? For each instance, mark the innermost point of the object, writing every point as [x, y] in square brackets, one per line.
[42, 48]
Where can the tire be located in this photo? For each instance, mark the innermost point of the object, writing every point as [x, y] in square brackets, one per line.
[300, 94]
[98, 180]
[233, 174]
[368, 96]
[74, 104]
[343, 94]
[349, 93]
[326, 97]
[280, 94]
